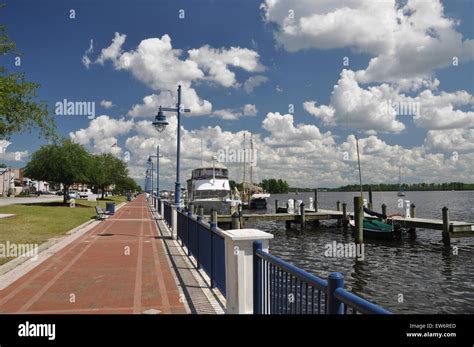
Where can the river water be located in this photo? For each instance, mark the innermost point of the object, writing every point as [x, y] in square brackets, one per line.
[408, 276]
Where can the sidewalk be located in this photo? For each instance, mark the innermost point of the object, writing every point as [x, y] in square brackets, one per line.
[119, 266]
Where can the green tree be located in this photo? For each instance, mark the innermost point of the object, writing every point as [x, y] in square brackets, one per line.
[105, 170]
[126, 184]
[19, 110]
[274, 186]
[65, 162]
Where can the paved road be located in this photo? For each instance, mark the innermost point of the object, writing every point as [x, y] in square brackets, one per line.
[119, 266]
[35, 200]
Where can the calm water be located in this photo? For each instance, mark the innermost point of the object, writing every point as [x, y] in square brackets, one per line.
[427, 274]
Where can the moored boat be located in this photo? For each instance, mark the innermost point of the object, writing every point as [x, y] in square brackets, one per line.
[259, 200]
[209, 187]
[375, 229]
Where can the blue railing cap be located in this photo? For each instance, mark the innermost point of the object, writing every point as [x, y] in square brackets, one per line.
[336, 276]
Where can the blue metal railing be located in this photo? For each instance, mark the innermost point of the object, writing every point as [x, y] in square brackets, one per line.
[282, 288]
[167, 212]
[204, 242]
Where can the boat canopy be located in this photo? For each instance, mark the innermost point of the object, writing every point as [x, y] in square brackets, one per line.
[208, 173]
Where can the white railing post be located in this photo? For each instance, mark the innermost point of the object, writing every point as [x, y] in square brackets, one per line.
[239, 268]
[162, 209]
[407, 209]
[174, 221]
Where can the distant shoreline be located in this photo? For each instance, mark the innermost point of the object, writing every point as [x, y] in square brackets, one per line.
[374, 191]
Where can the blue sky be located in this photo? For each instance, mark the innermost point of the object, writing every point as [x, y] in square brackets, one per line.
[53, 45]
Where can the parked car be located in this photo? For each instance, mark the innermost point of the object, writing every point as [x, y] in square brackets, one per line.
[85, 193]
[73, 194]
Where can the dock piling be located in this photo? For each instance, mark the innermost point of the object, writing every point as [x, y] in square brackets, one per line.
[235, 221]
[241, 218]
[359, 219]
[316, 203]
[338, 208]
[370, 198]
[344, 216]
[412, 210]
[446, 236]
[276, 206]
[201, 211]
[302, 216]
[384, 209]
[214, 216]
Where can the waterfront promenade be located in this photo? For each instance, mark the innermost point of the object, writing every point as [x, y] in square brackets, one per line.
[119, 266]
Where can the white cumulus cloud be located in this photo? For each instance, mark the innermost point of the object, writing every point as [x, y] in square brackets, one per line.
[405, 39]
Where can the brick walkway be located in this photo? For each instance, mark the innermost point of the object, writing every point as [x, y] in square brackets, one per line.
[119, 266]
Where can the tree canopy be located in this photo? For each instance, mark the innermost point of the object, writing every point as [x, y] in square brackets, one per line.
[64, 162]
[68, 163]
[105, 170]
[275, 186]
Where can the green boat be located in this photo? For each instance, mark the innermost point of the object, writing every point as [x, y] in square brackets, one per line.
[375, 229]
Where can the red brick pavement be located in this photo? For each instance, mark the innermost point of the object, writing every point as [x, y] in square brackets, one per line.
[119, 266]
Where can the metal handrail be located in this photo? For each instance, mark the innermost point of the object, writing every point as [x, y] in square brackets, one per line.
[194, 248]
[337, 298]
[357, 303]
[295, 271]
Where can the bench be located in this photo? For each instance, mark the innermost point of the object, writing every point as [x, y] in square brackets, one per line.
[101, 214]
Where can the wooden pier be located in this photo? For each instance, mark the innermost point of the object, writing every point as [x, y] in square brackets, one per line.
[341, 215]
[290, 217]
[449, 228]
[425, 223]
[434, 224]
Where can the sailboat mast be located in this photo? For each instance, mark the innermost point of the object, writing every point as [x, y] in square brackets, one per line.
[214, 169]
[358, 161]
[245, 162]
[251, 159]
[399, 178]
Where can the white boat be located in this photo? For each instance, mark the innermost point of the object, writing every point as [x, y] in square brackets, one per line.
[209, 187]
[259, 200]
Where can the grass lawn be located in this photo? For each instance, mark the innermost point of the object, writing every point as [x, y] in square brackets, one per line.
[36, 223]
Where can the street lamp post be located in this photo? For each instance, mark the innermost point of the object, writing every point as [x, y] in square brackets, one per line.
[158, 171]
[157, 156]
[150, 163]
[147, 175]
[160, 124]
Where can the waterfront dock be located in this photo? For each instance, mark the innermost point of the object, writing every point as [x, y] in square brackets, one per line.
[455, 227]
[304, 217]
[286, 217]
